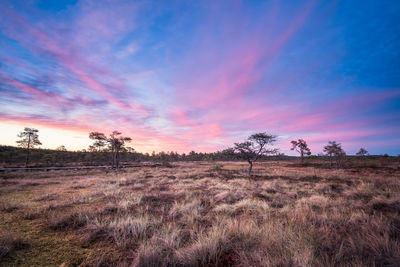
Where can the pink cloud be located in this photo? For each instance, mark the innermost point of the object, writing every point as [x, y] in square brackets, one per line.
[69, 58]
[220, 97]
[39, 95]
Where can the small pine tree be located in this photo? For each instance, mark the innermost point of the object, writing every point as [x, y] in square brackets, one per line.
[116, 143]
[29, 139]
[255, 147]
[301, 147]
[362, 152]
[335, 150]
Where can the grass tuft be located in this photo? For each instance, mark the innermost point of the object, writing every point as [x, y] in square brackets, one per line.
[9, 243]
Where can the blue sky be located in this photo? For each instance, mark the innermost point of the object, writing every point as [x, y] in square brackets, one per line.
[200, 75]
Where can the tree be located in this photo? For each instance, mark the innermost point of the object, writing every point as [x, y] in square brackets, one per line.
[255, 147]
[301, 147]
[130, 149]
[100, 141]
[61, 148]
[60, 155]
[115, 142]
[29, 139]
[334, 149]
[362, 152]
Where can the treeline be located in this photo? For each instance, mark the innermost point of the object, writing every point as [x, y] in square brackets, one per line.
[112, 149]
[15, 157]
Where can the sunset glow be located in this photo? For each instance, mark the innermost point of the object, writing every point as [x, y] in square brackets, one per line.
[201, 75]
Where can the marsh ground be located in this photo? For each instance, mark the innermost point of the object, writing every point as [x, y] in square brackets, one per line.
[202, 214]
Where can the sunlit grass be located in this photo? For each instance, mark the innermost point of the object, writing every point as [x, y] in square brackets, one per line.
[193, 215]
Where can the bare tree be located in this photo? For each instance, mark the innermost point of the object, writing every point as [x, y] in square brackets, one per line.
[301, 146]
[362, 152]
[29, 139]
[334, 149]
[255, 147]
[115, 141]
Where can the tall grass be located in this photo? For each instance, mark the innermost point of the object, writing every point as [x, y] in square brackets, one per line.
[193, 215]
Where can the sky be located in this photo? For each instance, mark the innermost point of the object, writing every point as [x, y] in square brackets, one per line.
[201, 75]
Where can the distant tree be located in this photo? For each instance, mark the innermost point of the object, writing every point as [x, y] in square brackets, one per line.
[281, 156]
[130, 149]
[335, 150]
[301, 146]
[192, 155]
[254, 147]
[29, 139]
[115, 141]
[228, 154]
[362, 152]
[92, 149]
[60, 155]
[61, 148]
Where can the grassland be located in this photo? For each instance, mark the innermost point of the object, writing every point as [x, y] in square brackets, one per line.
[202, 214]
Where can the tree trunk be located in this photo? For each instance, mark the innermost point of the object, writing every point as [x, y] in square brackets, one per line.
[250, 167]
[117, 159]
[330, 161]
[302, 157]
[112, 158]
[27, 151]
[27, 158]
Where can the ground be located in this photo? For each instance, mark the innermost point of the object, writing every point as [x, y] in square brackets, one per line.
[202, 214]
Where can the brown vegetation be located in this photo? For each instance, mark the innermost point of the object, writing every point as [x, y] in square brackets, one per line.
[202, 215]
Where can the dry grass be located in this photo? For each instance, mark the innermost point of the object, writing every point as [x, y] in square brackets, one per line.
[206, 214]
[10, 243]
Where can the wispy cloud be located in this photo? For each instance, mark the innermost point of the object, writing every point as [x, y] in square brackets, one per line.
[202, 75]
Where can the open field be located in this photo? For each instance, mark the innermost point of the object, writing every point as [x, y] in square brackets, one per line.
[198, 214]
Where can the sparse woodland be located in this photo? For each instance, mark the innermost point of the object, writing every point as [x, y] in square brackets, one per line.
[114, 150]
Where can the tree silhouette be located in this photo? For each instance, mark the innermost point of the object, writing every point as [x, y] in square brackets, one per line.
[255, 147]
[362, 152]
[100, 141]
[29, 139]
[301, 146]
[334, 149]
[115, 141]
[61, 148]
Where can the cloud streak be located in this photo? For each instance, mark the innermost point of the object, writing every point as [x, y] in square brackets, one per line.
[200, 76]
